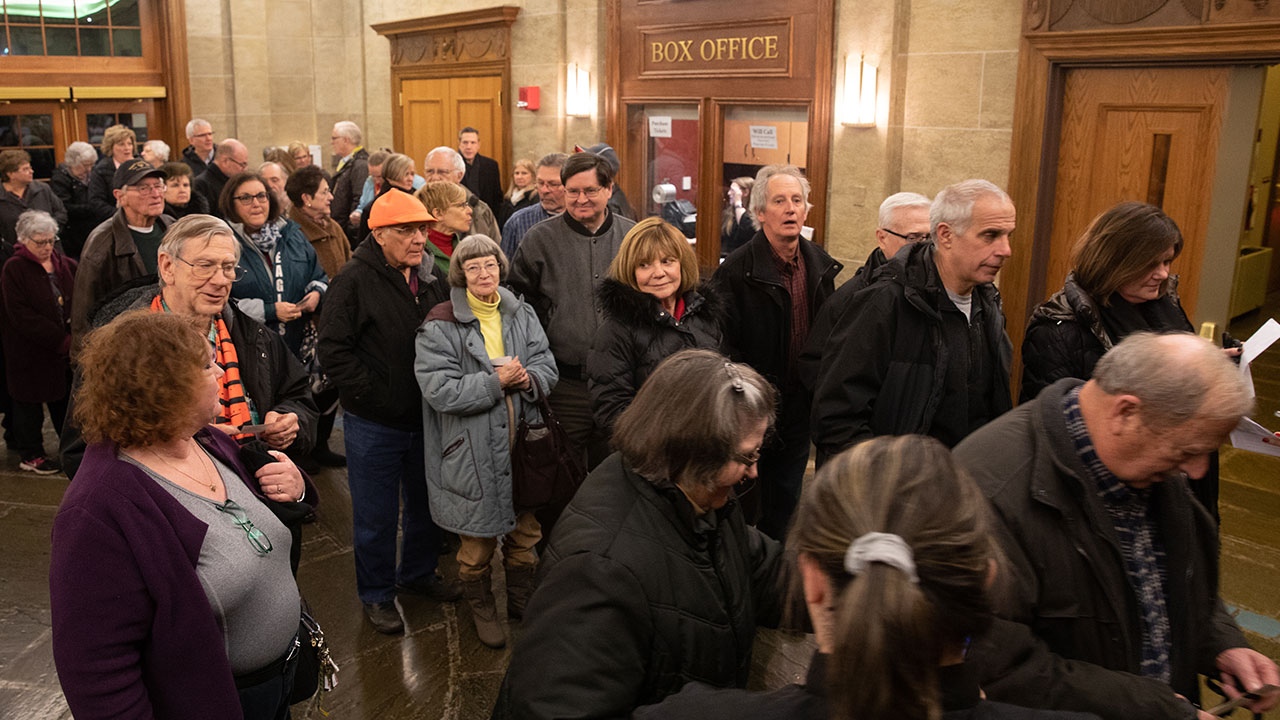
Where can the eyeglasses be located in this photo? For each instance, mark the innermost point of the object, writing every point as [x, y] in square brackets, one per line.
[591, 193]
[205, 269]
[747, 459]
[43, 243]
[246, 199]
[549, 185]
[436, 172]
[237, 163]
[909, 237]
[258, 539]
[476, 268]
[408, 231]
[202, 135]
[149, 189]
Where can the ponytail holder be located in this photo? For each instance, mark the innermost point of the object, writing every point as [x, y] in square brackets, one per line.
[884, 548]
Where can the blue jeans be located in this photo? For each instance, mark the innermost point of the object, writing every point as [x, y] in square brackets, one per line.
[385, 468]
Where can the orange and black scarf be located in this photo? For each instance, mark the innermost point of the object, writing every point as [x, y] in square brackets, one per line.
[235, 406]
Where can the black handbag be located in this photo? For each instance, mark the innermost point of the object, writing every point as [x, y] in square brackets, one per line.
[314, 662]
[546, 469]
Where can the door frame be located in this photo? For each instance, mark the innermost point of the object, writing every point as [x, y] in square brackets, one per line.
[1043, 61]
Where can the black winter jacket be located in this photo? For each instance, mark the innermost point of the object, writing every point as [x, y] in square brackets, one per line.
[209, 185]
[272, 377]
[194, 161]
[638, 596]
[637, 335]
[1070, 636]
[102, 180]
[367, 328]
[1066, 337]
[885, 368]
[832, 310]
[758, 318]
[81, 219]
[197, 205]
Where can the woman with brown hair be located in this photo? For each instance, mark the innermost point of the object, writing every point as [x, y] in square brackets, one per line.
[118, 145]
[893, 556]
[179, 201]
[170, 583]
[736, 228]
[653, 307]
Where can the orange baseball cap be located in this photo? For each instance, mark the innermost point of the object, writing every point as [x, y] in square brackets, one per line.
[397, 207]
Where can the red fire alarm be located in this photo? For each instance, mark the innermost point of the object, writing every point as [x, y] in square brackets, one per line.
[528, 98]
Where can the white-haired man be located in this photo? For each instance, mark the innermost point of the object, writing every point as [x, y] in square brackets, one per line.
[444, 164]
[229, 158]
[1112, 564]
[924, 349]
[349, 177]
[198, 154]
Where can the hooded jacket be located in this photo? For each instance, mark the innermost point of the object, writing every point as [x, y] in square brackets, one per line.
[637, 335]
[885, 368]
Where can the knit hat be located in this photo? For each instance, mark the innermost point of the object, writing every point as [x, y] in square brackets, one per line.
[397, 207]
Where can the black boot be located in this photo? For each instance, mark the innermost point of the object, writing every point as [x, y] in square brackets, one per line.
[520, 586]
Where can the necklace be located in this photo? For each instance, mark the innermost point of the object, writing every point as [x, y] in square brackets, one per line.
[213, 487]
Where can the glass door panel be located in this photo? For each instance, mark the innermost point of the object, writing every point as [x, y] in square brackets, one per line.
[37, 128]
[665, 139]
[755, 136]
[95, 116]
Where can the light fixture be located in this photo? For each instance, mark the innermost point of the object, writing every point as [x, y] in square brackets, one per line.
[859, 92]
[577, 97]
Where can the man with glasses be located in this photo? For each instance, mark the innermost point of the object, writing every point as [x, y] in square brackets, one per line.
[198, 153]
[230, 158]
[444, 164]
[923, 348]
[558, 268]
[367, 328]
[550, 202]
[904, 220]
[348, 179]
[263, 383]
[125, 246]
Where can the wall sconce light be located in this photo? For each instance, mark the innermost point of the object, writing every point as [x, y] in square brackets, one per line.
[577, 98]
[859, 92]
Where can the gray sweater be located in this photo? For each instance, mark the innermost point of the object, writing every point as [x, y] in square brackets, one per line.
[558, 268]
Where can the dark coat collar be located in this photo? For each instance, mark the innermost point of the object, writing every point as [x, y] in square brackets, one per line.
[638, 309]
[581, 229]
[762, 267]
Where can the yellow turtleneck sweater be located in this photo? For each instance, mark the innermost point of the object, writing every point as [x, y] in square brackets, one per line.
[490, 324]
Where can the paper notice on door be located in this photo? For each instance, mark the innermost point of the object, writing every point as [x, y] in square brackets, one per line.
[764, 137]
[1253, 437]
[659, 126]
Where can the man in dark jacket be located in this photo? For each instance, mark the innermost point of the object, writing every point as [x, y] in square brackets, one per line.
[367, 328]
[923, 348]
[198, 154]
[904, 220]
[197, 263]
[230, 158]
[772, 287]
[482, 176]
[125, 246]
[348, 179]
[1113, 568]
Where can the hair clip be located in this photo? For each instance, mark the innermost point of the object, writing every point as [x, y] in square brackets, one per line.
[735, 377]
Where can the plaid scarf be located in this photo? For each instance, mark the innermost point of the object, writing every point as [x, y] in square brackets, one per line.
[235, 406]
[1144, 559]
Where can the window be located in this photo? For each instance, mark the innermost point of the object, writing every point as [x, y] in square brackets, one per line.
[84, 28]
[33, 133]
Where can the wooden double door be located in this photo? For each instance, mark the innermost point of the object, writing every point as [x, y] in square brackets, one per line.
[44, 128]
[433, 110]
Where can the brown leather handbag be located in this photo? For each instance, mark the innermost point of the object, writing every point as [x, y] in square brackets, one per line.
[546, 469]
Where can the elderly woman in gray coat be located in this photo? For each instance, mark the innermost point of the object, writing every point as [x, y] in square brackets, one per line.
[478, 355]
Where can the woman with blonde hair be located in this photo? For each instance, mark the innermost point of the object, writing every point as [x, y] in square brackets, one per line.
[523, 192]
[893, 555]
[118, 147]
[447, 203]
[654, 307]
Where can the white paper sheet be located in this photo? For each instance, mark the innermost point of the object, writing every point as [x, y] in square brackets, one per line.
[1253, 437]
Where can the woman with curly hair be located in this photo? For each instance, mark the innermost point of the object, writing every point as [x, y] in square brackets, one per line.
[170, 583]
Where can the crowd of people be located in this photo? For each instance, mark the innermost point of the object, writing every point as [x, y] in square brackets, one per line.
[193, 329]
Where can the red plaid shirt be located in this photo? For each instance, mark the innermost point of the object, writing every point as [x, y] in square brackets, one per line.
[793, 279]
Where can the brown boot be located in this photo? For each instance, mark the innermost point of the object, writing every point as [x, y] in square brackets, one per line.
[484, 611]
[520, 588]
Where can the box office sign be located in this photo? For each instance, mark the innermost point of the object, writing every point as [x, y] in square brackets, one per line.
[757, 48]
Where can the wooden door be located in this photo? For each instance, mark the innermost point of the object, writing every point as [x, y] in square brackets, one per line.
[1147, 134]
[41, 128]
[433, 110]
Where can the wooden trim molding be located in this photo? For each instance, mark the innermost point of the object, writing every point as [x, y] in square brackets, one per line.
[1043, 59]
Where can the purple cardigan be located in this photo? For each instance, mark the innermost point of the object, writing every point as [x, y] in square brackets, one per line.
[133, 633]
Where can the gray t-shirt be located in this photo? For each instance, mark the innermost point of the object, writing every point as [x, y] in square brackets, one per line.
[253, 597]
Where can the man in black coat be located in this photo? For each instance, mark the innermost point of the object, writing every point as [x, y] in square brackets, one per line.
[348, 179]
[1113, 568]
[923, 348]
[772, 287]
[230, 158]
[903, 220]
[198, 154]
[483, 177]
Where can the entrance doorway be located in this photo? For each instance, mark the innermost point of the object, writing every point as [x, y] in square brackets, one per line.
[433, 110]
[44, 128]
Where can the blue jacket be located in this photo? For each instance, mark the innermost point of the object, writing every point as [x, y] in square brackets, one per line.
[465, 426]
[255, 293]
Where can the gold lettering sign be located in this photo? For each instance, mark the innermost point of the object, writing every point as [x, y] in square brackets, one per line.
[755, 48]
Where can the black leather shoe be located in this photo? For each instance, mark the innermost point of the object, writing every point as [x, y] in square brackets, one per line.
[385, 617]
[434, 587]
[329, 458]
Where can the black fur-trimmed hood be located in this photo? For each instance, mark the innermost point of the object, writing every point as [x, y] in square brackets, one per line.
[639, 309]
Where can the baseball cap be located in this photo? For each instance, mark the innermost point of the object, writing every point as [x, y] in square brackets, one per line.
[397, 207]
[131, 172]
